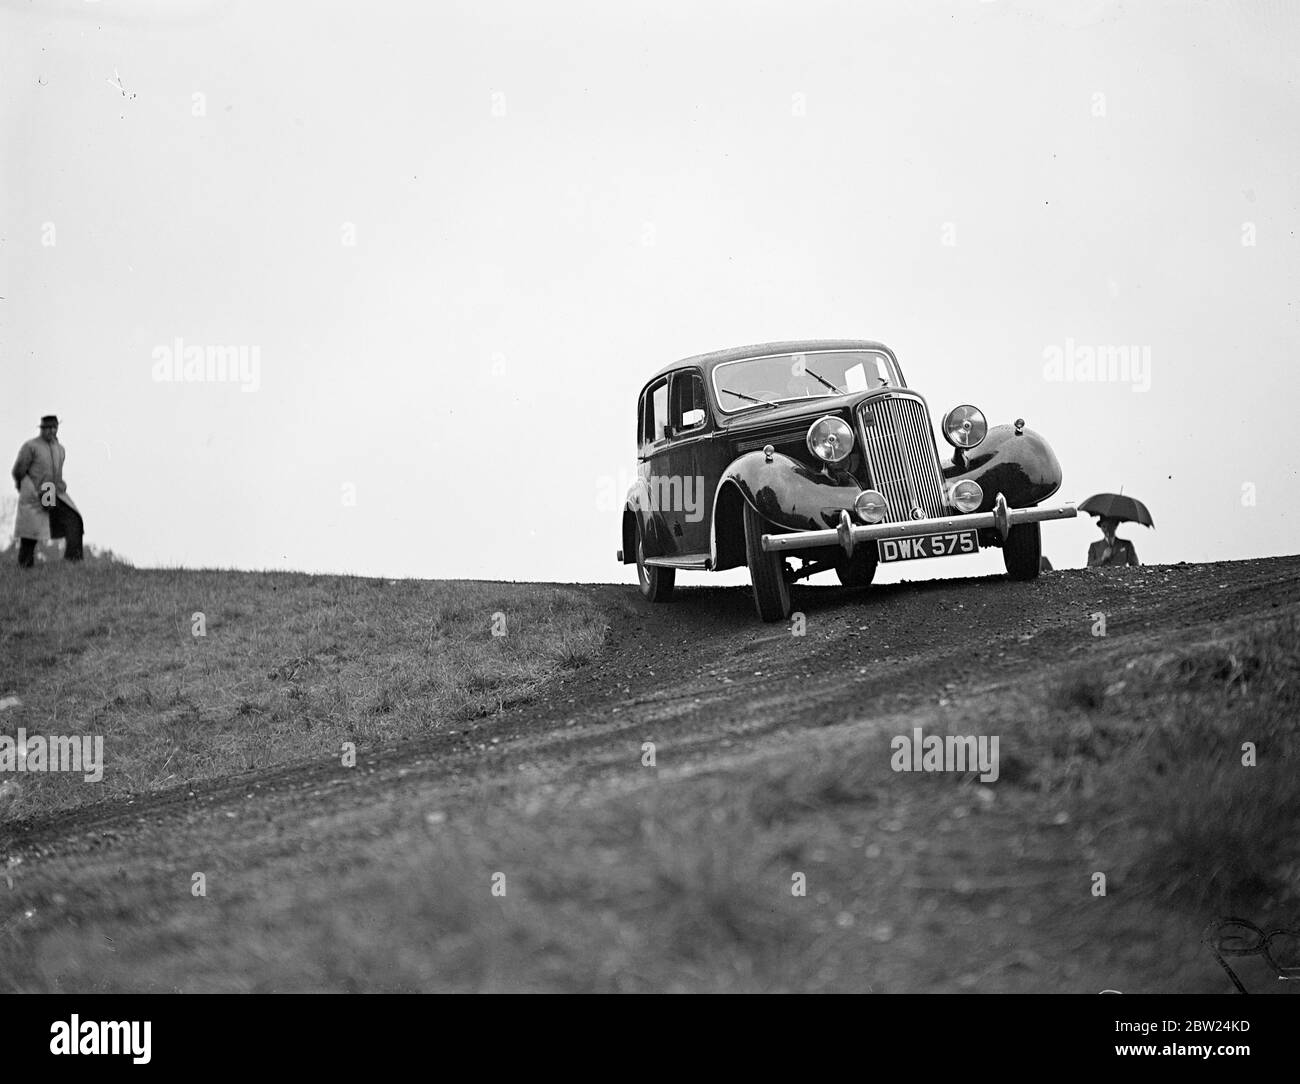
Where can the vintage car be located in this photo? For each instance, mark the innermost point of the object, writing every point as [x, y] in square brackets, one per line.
[819, 451]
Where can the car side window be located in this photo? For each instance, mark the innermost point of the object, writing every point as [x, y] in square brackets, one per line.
[689, 410]
[659, 408]
[654, 413]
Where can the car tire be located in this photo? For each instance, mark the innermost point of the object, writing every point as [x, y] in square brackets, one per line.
[766, 571]
[656, 583]
[860, 569]
[1022, 552]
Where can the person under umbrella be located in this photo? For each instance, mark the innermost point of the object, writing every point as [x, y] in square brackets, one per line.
[1111, 509]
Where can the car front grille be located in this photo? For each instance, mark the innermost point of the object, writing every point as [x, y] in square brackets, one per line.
[901, 457]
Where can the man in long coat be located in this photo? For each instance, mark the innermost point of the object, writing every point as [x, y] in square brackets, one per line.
[45, 510]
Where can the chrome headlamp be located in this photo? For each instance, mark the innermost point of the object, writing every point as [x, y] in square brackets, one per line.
[965, 426]
[830, 439]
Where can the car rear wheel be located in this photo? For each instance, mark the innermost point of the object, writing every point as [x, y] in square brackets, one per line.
[1023, 551]
[860, 569]
[656, 583]
[766, 571]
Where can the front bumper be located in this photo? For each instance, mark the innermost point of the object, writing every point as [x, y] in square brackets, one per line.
[848, 534]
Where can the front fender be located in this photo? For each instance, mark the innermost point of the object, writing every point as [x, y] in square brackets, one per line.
[1022, 466]
[789, 493]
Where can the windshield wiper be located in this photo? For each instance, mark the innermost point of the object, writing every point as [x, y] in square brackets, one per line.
[822, 380]
[742, 395]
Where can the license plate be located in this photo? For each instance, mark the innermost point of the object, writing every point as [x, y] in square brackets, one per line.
[927, 545]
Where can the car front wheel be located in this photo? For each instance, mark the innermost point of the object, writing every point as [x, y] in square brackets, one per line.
[766, 571]
[1022, 552]
[656, 583]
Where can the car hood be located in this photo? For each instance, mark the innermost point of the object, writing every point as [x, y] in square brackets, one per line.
[785, 415]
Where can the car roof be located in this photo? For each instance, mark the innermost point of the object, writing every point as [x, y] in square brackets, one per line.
[758, 350]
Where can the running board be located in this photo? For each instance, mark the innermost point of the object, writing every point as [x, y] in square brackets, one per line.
[694, 562]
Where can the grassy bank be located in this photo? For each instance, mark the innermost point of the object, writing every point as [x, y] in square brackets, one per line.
[288, 666]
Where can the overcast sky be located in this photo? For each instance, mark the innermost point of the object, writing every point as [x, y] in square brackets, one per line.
[457, 239]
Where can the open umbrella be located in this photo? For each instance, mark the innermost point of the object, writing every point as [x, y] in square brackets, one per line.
[1117, 506]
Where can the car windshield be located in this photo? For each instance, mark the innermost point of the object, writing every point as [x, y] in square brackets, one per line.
[752, 383]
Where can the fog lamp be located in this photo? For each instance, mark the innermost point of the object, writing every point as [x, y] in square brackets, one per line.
[871, 506]
[966, 495]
